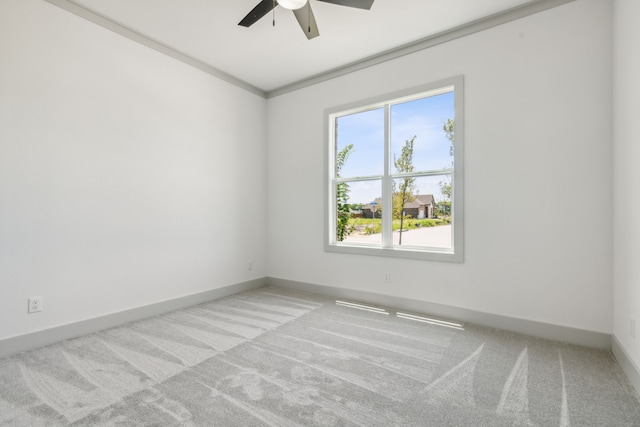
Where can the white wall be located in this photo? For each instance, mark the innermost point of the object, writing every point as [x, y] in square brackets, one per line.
[126, 177]
[115, 164]
[538, 173]
[626, 183]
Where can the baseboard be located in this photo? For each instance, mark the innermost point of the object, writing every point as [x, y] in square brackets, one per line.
[626, 363]
[582, 337]
[538, 329]
[49, 336]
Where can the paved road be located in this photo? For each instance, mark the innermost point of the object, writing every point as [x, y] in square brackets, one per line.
[438, 237]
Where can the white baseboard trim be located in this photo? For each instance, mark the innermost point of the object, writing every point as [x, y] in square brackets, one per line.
[529, 327]
[576, 336]
[626, 363]
[49, 336]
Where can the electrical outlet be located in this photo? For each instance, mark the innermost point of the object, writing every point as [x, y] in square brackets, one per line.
[250, 265]
[387, 277]
[35, 304]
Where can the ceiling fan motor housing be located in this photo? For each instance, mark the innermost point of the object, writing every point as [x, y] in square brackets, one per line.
[302, 10]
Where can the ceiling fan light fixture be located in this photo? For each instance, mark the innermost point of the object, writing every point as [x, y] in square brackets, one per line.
[292, 4]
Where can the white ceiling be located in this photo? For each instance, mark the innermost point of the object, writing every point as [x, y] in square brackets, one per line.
[270, 58]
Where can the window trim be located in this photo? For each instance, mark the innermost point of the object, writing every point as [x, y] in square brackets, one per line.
[457, 214]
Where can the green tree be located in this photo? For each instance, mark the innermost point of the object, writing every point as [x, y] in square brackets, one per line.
[404, 188]
[449, 128]
[443, 208]
[342, 197]
[445, 186]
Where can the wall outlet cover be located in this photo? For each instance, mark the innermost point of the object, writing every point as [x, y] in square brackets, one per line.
[34, 304]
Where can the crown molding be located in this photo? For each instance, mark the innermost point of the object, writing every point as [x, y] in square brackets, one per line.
[135, 36]
[482, 24]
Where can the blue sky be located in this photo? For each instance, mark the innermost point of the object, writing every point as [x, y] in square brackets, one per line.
[423, 118]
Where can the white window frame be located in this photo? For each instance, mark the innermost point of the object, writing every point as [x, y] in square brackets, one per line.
[456, 253]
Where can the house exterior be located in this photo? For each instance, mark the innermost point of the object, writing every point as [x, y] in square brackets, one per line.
[373, 209]
[422, 206]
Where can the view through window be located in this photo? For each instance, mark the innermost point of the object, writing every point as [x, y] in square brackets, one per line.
[393, 181]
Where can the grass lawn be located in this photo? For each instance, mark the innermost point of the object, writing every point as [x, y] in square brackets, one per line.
[373, 226]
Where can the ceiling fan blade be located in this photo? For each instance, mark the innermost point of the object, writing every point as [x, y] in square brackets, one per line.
[264, 7]
[360, 4]
[307, 21]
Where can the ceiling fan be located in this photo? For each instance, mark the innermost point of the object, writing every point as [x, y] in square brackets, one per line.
[301, 9]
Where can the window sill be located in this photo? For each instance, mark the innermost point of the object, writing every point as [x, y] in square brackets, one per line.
[428, 254]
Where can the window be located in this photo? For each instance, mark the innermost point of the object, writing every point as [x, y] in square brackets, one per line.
[394, 182]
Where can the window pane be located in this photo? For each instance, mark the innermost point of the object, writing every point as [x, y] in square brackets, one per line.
[364, 133]
[425, 120]
[364, 224]
[424, 219]
[395, 158]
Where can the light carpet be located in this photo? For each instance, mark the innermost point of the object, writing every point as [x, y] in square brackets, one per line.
[276, 357]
